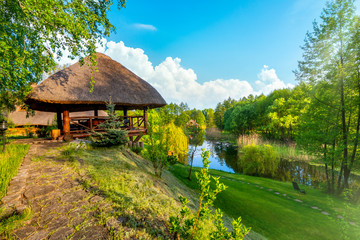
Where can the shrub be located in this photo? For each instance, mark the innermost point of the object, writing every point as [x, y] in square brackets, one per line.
[114, 135]
[29, 130]
[136, 149]
[45, 132]
[259, 160]
[172, 159]
[196, 226]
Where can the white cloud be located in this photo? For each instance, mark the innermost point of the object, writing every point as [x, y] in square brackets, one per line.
[269, 81]
[177, 84]
[145, 26]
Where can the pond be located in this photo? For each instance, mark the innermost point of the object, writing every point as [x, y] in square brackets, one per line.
[224, 156]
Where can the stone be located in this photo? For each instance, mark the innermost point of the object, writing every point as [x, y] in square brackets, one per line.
[76, 212]
[352, 223]
[66, 185]
[10, 198]
[40, 234]
[95, 199]
[325, 213]
[44, 220]
[270, 189]
[92, 232]
[24, 232]
[314, 207]
[112, 223]
[38, 191]
[61, 233]
[73, 196]
[57, 223]
[298, 200]
[63, 209]
[277, 193]
[77, 221]
[284, 195]
[340, 217]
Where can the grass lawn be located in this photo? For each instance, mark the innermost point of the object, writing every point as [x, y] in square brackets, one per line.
[276, 216]
[10, 161]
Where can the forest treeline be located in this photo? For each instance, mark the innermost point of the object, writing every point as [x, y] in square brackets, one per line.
[322, 113]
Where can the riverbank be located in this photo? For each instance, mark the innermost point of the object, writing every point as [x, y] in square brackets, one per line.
[275, 210]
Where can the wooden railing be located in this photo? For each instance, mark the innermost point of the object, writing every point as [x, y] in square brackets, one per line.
[93, 123]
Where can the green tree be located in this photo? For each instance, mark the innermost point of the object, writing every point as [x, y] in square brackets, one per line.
[33, 30]
[220, 112]
[196, 137]
[328, 62]
[199, 117]
[114, 135]
[210, 117]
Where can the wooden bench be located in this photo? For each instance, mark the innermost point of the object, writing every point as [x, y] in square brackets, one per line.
[296, 187]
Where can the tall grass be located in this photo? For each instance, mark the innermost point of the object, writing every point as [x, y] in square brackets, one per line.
[10, 161]
[214, 134]
[285, 151]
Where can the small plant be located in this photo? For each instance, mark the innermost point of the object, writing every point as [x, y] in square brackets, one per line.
[114, 135]
[29, 130]
[136, 149]
[188, 226]
[45, 132]
[172, 159]
[69, 153]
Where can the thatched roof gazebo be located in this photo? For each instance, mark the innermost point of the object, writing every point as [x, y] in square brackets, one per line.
[69, 91]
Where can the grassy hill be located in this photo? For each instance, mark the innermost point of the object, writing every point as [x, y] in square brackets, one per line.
[273, 209]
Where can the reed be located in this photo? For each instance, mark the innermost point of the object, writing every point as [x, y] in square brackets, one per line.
[286, 151]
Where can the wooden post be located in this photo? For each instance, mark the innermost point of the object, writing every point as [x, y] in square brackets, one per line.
[125, 111]
[66, 122]
[145, 120]
[58, 119]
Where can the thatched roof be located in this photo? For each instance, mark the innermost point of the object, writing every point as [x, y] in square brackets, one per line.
[70, 88]
[39, 119]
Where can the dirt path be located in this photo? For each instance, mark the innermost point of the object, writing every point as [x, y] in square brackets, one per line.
[61, 208]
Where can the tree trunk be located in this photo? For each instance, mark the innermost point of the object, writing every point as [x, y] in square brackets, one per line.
[192, 160]
[344, 163]
[356, 142]
[326, 170]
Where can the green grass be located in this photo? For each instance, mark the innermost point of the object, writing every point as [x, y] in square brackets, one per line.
[9, 223]
[127, 181]
[10, 161]
[278, 217]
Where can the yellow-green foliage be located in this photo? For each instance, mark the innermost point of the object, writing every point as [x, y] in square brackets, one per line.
[10, 161]
[178, 142]
[259, 160]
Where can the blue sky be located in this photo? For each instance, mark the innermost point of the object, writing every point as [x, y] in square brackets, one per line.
[220, 39]
[202, 52]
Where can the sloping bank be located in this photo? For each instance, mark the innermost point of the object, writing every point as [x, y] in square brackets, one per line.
[142, 203]
[273, 209]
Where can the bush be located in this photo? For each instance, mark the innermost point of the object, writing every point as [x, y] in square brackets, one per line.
[45, 132]
[29, 130]
[136, 149]
[172, 159]
[259, 160]
[114, 135]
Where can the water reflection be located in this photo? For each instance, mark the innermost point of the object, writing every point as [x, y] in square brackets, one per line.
[224, 156]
